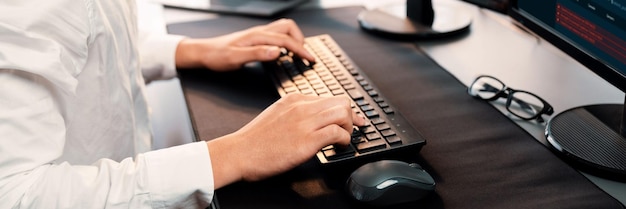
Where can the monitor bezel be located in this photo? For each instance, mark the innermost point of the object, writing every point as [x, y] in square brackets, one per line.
[602, 69]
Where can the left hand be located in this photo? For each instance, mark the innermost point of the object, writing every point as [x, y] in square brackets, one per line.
[230, 52]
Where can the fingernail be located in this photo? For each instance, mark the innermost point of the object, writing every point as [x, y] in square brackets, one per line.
[364, 119]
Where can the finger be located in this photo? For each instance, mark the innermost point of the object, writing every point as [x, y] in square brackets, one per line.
[337, 115]
[301, 97]
[332, 134]
[329, 102]
[332, 110]
[357, 119]
[287, 26]
[278, 39]
[242, 55]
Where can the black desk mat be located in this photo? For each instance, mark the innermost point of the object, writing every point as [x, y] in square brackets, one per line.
[478, 157]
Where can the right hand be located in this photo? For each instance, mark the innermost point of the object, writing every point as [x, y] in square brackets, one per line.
[285, 135]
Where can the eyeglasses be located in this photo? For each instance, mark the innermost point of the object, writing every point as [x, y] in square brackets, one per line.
[522, 104]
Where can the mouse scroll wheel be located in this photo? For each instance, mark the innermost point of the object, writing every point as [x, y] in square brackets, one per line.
[386, 184]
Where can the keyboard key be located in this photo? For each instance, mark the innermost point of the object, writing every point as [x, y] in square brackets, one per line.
[334, 69]
[377, 121]
[303, 87]
[373, 136]
[337, 92]
[394, 140]
[383, 126]
[339, 152]
[355, 94]
[319, 86]
[349, 86]
[323, 72]
[388, 133]
[366, 107]
[291, 90]
[321, 91]
[368, 129]
[371, 145]
[373, 93]
[308, 92]
[333, 86]
[329, 80]
[371, 114]
[309, 74]
[361, 102]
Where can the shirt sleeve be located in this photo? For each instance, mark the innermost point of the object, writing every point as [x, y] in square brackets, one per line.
[33, 136]
[157, 53]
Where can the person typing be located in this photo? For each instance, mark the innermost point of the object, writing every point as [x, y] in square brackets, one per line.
[75, 123]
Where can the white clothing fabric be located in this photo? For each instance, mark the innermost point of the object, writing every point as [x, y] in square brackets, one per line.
[73, 112]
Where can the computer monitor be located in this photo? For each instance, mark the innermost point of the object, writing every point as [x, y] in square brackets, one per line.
[593, 32]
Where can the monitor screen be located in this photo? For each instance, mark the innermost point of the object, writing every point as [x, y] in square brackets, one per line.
[593, 32]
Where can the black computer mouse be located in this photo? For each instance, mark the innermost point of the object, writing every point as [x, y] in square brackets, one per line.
[389, 182]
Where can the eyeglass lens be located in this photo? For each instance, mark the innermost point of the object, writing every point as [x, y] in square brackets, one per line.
[486, 88]
[524, 105]
[520, 103]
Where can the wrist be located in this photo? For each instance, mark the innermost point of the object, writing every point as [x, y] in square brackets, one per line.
[188, 54]
[226, 162]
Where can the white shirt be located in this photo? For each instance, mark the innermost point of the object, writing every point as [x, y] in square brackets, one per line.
[73, 112]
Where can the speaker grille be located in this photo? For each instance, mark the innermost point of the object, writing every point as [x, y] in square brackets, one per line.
[581, 135]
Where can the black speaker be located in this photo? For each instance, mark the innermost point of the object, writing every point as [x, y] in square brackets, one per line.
[588, 137]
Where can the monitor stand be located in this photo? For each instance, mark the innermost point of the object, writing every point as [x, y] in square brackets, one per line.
[592, 139]
[417, 20]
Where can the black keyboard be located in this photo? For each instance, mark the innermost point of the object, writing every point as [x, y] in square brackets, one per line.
[386, 133]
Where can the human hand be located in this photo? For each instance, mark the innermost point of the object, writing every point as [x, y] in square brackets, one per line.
[284, 135]
[230, 52]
